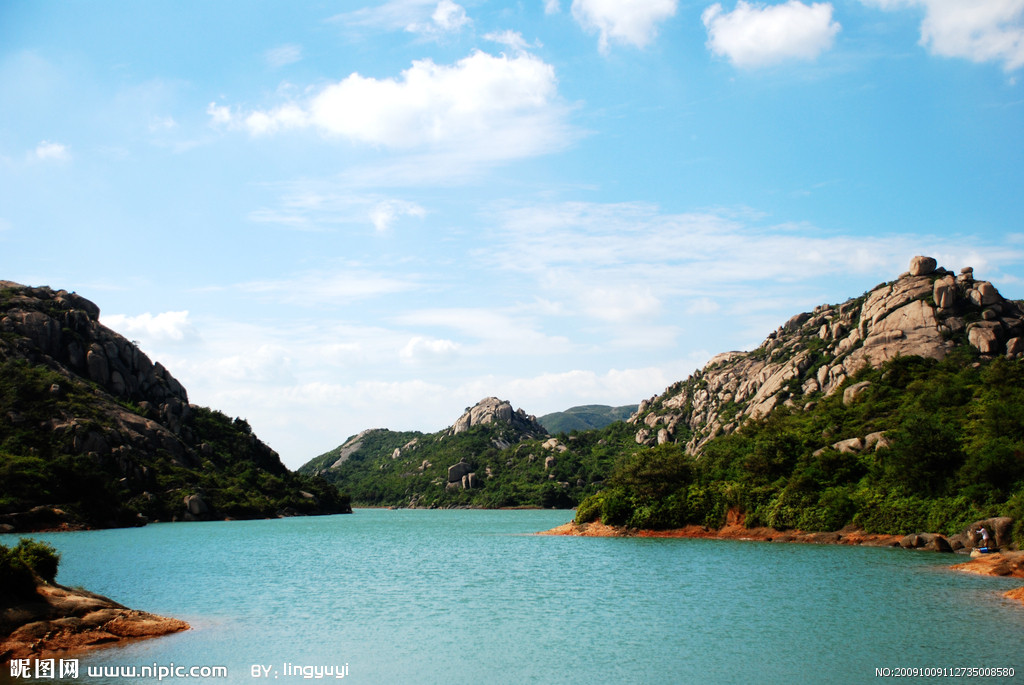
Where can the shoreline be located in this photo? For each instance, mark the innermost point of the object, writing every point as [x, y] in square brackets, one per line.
[733, 530]
[1009, 564]
[60, 620]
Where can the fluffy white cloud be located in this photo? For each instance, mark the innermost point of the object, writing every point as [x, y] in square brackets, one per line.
[449, 16]
[490, 107]
[431, 103]
[755, 35]
[153, 329]
[422, 350]
[980, 30]
[634, 22]
[50, 151]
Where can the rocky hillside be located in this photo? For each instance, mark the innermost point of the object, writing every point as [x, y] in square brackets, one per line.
[926, 312]
[491, 456]
[898, 412]
[94, 433]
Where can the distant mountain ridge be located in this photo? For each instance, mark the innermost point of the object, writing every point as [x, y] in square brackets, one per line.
[93, 433]
[492, 456]
[585, 417]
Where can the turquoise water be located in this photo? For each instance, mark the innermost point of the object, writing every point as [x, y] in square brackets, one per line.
[415, 596]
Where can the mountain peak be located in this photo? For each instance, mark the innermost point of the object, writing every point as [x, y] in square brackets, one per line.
[492, 410]
[927, 311]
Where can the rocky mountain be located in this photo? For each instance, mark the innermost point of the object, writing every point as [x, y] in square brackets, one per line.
[898, 412]
[926, 312]
[491, 456]
[94, 433]
[585, 417]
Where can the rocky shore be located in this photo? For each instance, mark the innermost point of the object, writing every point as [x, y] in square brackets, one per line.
[1007, 563]
[58, 620]
[731, 531]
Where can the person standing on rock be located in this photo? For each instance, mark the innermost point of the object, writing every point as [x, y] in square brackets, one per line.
[984, 537]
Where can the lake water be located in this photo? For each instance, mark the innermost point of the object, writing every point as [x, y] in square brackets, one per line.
[415, 596]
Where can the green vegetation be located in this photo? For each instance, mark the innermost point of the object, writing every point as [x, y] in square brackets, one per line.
[955, 454]
[46, 464]
[509, 472]
[23, 566]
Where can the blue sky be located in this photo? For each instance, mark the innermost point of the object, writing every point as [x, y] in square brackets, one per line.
[331, 216]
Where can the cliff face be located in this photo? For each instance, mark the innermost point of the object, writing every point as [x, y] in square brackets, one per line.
[928, 311]
[93, 432]
[61, 331]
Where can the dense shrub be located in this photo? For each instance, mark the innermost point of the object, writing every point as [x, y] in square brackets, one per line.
[22, 564]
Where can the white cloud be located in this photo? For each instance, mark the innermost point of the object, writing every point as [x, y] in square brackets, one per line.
[284, 117]
[385, 213]
[755, 35]
[633, 254]
[478, 96]
[495, 331]
[511, 39]
[151, 329]
[313, 206]
[634, 22]
[620, 304]
[283, 55]
[219, 114]
[483, 108]
[552, 7]
[449, 16]
[48, 151]
[422, 350]
[430, 18]
[979, 30]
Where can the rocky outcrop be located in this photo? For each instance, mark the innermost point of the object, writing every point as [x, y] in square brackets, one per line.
[58, 619]
[491, 410]
[62, 330]
[927, 311]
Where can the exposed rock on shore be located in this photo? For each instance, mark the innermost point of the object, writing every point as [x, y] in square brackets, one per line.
[60, 619]
[1007, 564]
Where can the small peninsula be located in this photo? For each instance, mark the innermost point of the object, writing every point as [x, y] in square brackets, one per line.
[40, 618]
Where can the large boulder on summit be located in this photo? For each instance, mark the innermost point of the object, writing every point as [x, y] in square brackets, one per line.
[922, 266]
[492, 411]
